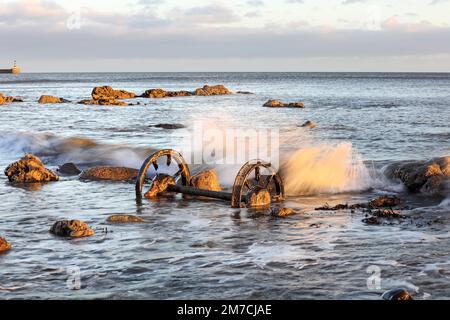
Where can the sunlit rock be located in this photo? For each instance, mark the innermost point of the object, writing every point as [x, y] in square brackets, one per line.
[71, 228]
[29, 169]
[428, 177]
[45, 99]
[110, 173]
[160, 184]
[69, 169]
[206, 180]
[280, 104]
[4, 245]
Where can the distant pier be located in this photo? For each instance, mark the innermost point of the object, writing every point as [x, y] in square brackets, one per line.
[14, 70]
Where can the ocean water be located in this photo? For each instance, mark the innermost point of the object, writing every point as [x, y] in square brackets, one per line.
[188, 249]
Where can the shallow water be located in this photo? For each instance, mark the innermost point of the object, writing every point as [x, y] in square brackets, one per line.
[205, 249]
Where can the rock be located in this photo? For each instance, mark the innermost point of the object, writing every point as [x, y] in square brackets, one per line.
[160, 184]
[258, 197]
[212, 90]
[206, 180]
[386, 201]
[180, 93]
[244, 92]
[108, 93]
[6, 99]
[155, 93]
[29, 169]
[309, 124]
[397, 294]
[71, 228]
[110, 173]
[279, 104]
[371, 220]
[428, 177]
[124, 218]
[282, 212]
[169, 126]
[50, 99]
[69, 169]
[4, 245]
[104, 102]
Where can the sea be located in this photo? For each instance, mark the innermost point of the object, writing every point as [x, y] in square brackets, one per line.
[197, 248]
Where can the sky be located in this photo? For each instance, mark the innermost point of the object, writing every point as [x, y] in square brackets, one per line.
[232, 35]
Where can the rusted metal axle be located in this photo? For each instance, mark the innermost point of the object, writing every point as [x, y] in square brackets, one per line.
[249, 187]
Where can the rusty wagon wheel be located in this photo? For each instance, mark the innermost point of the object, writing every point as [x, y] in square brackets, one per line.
[182, 175]
[244, 183]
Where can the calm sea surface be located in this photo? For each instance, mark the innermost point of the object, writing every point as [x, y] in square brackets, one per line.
[189, 249]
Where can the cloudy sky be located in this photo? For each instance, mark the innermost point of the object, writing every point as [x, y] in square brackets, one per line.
[231, 35]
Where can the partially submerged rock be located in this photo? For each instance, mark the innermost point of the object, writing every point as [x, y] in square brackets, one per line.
[123, 218]
[104, 102]
[29, 169]
[386, 201]
[309, 124]
[169, 126]
[161, 93]
[280, 104]
[108, 93]
[282, 212]
[69, 169]
[4, 245]
[258, 197]
[244, 92]
[397, 294]
[206, 180]
[207, 90]
[44, 99]
[71, 228]
[160, 184]
[428, 177]
[7, 99]
[110, 173]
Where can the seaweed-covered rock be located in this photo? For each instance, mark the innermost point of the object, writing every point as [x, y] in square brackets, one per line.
[7, 99]
[108, 93]
[29, 169]
[428, 177]
[4, 245]
[123, 218]
[160, 184]
[71, 228]
[206, 180]
[69, 169]
[110, 173]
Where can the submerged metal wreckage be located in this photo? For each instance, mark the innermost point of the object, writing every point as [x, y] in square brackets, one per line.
[256, 184]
